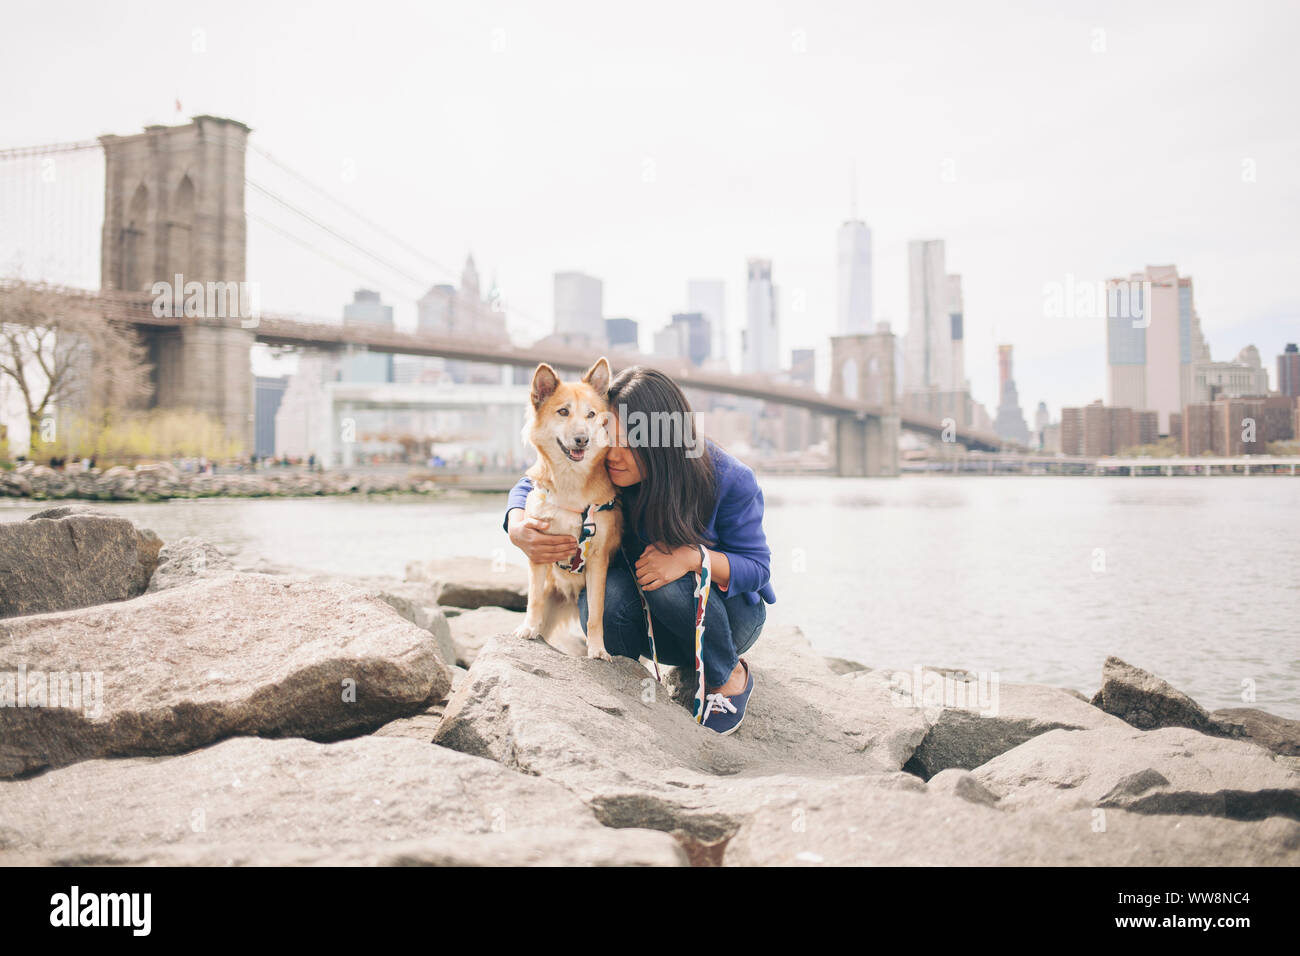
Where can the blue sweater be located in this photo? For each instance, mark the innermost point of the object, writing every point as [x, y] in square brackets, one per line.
[736, 526]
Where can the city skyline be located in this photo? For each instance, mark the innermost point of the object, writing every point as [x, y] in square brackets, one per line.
[683, 156]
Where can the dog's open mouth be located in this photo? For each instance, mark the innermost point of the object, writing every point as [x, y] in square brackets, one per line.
[576, 454]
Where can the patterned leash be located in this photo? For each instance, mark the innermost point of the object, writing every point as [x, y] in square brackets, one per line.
[703, 578]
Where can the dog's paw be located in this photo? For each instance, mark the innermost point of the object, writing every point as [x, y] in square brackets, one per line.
[598, 653]
[526, 633]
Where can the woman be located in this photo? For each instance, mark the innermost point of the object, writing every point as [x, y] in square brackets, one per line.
[675, 497]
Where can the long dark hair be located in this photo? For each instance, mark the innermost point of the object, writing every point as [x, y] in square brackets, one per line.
[675, 499]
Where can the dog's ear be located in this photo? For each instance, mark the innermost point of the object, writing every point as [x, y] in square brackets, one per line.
[598, 375]
[545, 382]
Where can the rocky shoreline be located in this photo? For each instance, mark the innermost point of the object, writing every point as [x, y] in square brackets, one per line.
[234, 717]
[161, 481]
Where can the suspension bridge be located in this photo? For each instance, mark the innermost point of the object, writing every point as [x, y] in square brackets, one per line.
[104, 220]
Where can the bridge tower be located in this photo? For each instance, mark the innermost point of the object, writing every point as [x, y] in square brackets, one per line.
[174, 205]
[862, 368]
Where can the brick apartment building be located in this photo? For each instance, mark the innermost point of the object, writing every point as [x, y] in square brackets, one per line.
[1221, 427]
[1096, 430]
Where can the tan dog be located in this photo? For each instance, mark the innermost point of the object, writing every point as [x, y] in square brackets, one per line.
[570, 431]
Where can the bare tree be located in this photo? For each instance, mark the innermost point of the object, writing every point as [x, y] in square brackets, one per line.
[63, 354]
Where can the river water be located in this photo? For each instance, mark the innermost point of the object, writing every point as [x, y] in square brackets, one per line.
[1034, 578]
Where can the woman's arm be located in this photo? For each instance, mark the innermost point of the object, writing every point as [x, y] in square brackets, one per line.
[529, 534]
[742, 560]
[742, 544]
[518, 499]
[719, 567]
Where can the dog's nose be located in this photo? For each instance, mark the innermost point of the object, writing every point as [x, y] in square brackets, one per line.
[580, 441]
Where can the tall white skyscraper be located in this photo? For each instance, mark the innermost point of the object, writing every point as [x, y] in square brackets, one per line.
[928, 353]
[853, 315]
[708, 297]
[760, 336]
[956, 320]
[1154, 342]
[579, 308]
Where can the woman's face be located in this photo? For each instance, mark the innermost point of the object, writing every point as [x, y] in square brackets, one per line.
[620, 460]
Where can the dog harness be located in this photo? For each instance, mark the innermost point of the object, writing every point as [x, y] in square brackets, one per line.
[577, 562]
[703, 578]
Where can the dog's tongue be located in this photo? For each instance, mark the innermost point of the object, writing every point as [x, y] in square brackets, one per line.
[577, 454]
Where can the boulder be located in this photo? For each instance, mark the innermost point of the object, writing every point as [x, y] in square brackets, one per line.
[272, 802]
[148, 544]
[853, 823]
[473, 582]
[965, 737]
[607, 731]
[187, 560]
[1173, 770]
[1146, 701]
[1277, 734]
[72, 557]
[418, 603]
[232, 654]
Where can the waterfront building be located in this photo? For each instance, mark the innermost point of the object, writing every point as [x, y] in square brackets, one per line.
[1153, 341]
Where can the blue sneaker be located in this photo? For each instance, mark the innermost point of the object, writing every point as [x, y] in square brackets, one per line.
[724, 714]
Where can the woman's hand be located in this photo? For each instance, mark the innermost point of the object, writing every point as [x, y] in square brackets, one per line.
[529, 535]
[654, 569]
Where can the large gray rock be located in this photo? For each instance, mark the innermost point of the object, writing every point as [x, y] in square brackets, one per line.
[965, 737]
[854, 823]
[1274, 733]
[473, 582]
[1174, 770]
[234, 654]
[72, 557]
[607, 731]
[187, 560]
[1146, 701]
[272, 802]
[148, 544]
[416, 601]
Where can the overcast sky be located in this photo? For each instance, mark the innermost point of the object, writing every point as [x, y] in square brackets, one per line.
[647, 144]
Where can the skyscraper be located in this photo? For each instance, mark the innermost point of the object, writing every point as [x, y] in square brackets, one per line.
[361, 365]
[1042, 418]
[708, 297]
[579, 307]
[1010, 422]
[956, 333]
[760, 335]
[622, 333]
[853, 315]
[463, 313]
[1288, 371]
[1153, 342]
[696, 335]
[928, 352]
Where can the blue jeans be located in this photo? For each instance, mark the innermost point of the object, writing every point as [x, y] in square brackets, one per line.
[730, 625]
